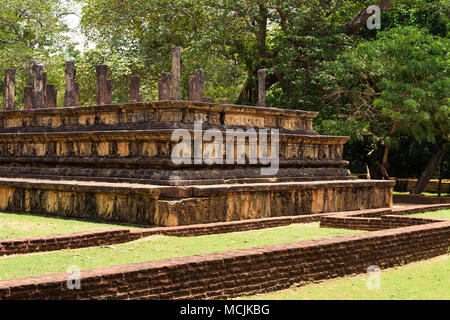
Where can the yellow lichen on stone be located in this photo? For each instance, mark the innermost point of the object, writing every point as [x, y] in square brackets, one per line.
[6, 195]
[105, 205]
[103, 149]
[149, 149]
[51, 202]
[317, 205]
[123, 149]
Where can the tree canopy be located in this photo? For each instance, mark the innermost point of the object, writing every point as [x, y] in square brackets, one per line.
[386, 88]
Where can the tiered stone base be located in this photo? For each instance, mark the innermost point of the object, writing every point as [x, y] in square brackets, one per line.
[115, 163]
[183, 205]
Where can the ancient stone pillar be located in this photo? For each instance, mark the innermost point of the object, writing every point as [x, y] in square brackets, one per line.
[70, 93]
[50, 95]
[77, 94]
[262, 87]
[196, 86]
[191, 84]
[44, 83]
[4, 98]
[9, 100]
[176, 67]
[28, 98]
[135, 84]
[31, 75]
[108, 91]
[164, 87]
[102, 89]
[38, 87]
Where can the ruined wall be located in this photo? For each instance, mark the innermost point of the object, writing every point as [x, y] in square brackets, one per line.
[242, 272]
[156, 114]
[227, 203]
[105, 202]
[174, 206]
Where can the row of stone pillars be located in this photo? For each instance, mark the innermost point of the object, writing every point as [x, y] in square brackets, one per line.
[42, 95]
[169, 84]
[38, 95]
[169, 87]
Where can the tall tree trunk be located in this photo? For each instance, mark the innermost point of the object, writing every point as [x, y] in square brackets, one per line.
[441, 175]
[428, 171]
[249, 91]
[387, 149]
[386, 157]
[377, 169]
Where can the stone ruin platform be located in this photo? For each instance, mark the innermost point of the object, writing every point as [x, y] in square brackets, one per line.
[113, 163]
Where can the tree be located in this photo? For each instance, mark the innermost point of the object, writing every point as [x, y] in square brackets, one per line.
[33, 31]
[290, 38]
[399, 85]
[354, 25]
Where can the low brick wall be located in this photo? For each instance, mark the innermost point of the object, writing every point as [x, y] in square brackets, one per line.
[60, 242]
[402, 221]
[242, 272]
[372, 224]
[232, 226]
[419, 199]
[420, 208]
[106, 237]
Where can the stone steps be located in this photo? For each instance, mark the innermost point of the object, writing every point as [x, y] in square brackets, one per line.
[147, 155]
[188, 176]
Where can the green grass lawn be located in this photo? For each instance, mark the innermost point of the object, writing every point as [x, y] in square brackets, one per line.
[428, 194]
[441, 214]
[424, 280]
[157, 247]
[27, 226]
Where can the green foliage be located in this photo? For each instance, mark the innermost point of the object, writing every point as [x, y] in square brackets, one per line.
[121, 67]
[33, 31]
[373, 86]
[410, 157]
[135, 38]
[398, 84]
[229, 39]
[431, 15]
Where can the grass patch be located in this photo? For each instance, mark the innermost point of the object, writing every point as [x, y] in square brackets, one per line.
[424, 280]
[157, 247]
[440, 214]
[28, 226]
[428, 194]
